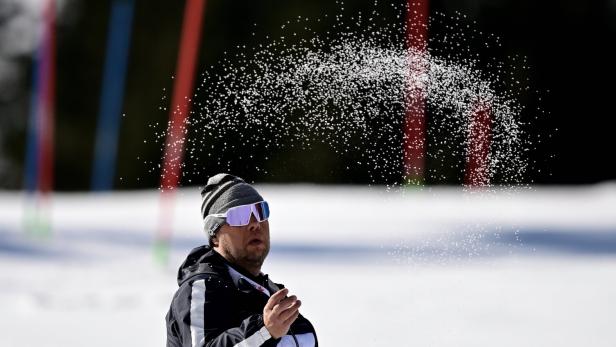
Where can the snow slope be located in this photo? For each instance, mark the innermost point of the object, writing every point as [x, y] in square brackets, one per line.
[373, 267]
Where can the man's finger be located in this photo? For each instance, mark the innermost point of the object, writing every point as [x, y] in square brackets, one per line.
[290, 311]
[284, 304]
[291, 319]
[275, 298]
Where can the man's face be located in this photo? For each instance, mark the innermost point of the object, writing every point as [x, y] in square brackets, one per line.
[246, 246]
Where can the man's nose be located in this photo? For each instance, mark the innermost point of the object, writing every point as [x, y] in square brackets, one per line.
[254, 225]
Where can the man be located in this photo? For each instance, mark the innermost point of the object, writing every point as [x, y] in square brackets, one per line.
[224, 299]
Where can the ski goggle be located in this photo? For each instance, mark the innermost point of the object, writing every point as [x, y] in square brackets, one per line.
[240, 215]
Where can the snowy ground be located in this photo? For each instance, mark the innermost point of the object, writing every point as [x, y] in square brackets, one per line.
[437, 267]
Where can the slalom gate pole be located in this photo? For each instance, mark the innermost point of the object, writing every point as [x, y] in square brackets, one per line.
[32, 145]
[414, 145]
[176, 130]
[477, 172]
[112, 94]
[39, 152]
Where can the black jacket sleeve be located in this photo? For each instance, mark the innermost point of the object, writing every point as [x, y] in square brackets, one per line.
[198, 318]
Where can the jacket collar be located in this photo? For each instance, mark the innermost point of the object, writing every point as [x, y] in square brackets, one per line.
[204, 260]
[246, 284]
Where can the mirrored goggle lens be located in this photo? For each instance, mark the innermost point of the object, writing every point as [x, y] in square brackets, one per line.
[240, 215]
[261, 211]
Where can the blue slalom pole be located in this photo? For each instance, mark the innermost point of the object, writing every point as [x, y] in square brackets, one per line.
[112, 94]
[31, 167]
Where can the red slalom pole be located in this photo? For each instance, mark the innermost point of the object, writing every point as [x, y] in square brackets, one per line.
[37, 219]
[45, 151]
[478, 152]
[415, 117]
[178, 114]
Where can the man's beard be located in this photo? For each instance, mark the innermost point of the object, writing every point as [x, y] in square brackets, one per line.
[248, 259]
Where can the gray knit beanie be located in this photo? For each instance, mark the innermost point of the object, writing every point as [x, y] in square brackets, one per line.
[222, 192]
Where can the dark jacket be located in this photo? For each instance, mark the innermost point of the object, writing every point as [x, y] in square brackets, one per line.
[212, 308]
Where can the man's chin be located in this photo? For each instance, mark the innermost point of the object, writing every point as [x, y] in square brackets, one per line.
[257, 254]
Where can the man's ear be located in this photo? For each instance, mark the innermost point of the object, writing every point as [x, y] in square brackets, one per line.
[214, 240]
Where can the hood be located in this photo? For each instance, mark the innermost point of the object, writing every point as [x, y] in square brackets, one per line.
[202, 259]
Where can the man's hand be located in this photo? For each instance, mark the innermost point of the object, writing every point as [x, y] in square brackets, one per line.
[280, 312]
